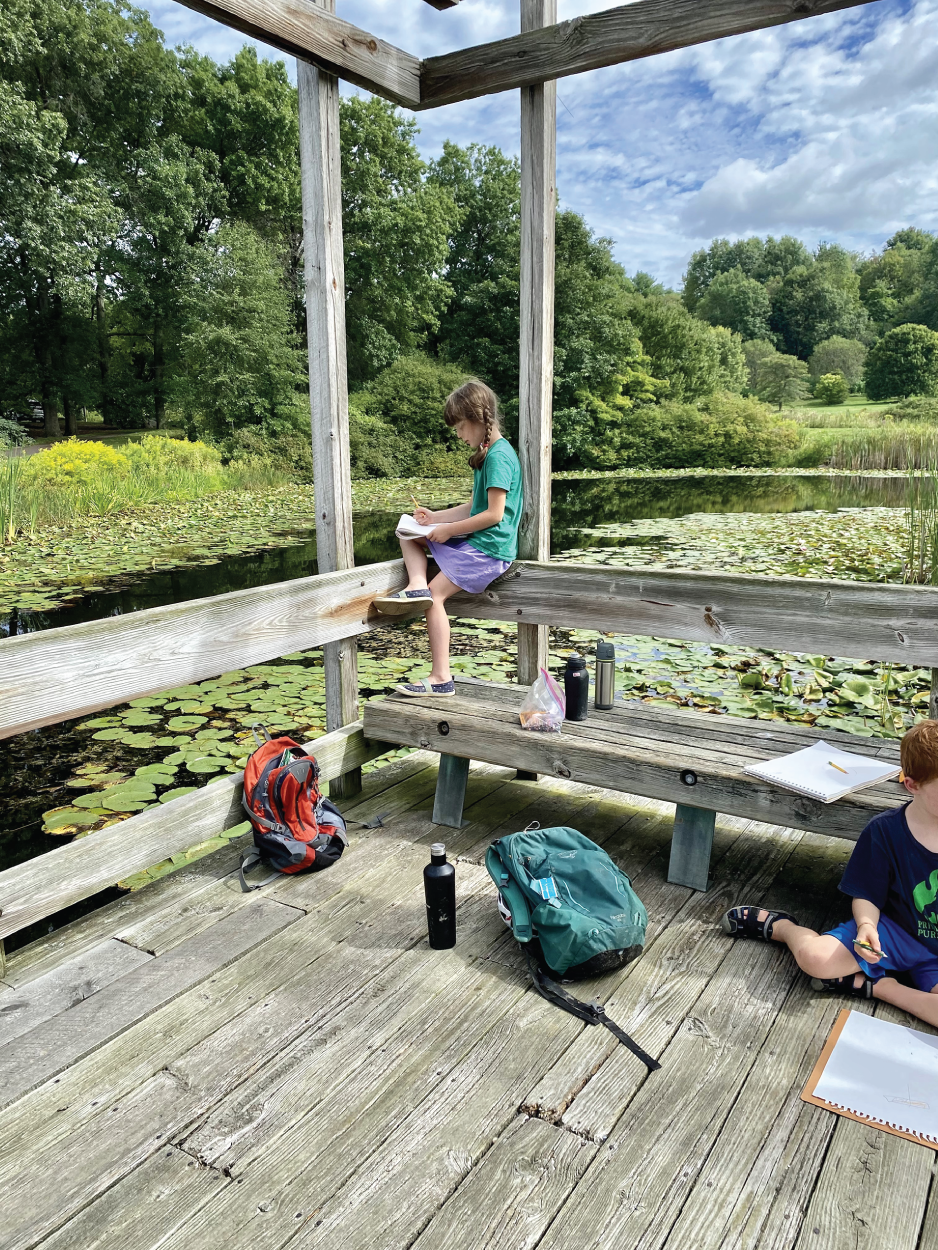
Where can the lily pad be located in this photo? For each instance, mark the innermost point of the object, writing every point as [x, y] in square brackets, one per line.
[64, 819]
[100, 722]
[177, 793]
[142, 718]
[109, 735]
[185, 722]
[140, 741]
[206, 764]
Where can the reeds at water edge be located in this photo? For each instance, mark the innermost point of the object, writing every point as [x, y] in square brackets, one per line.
[921, 556]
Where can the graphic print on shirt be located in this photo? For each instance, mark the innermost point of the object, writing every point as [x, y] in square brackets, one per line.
[924, 896]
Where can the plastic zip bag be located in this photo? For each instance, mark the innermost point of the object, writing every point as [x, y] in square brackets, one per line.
[544, 705]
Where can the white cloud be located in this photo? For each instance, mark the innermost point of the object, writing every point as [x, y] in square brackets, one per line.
[825, 128]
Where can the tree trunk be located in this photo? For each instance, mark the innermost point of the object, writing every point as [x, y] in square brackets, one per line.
[71, 416]
[159, 371]
[104, 344]
[50, 403]
[50, 412]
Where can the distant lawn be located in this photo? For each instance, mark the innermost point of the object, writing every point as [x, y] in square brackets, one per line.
[852, 404]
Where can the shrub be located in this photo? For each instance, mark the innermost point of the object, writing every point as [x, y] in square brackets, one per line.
[723, 431]
[839, 355]
[919, 408]
[73, 462]
[409, 395]
[12, 434]
[376, 449]
[831, 388]
[289, 451]
[904, 362]
[156, 454]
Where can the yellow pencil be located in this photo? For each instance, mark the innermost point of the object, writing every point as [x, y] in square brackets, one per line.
[416, 504]
[839, 769]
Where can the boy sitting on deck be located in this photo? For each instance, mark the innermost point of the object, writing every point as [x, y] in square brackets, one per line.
[892, 877]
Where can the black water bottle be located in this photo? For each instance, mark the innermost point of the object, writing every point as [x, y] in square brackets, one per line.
[576, 686]
[439, 886]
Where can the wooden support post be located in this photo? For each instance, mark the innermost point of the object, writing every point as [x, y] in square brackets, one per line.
[324, 271]
[451, 791]
[538, 210]
[690, 846]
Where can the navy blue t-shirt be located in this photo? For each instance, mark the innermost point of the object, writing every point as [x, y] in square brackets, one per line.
[897, 874]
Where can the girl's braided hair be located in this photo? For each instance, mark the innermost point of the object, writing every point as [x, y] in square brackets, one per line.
[475, 402]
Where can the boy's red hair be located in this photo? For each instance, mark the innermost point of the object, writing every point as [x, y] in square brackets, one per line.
[918, 752]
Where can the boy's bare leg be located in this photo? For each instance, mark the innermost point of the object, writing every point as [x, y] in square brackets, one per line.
[438, 628]
[415, 561]
[826, 957]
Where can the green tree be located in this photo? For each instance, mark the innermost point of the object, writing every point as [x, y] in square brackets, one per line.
[754, 352]
[839, 355]
[681, 349]
[781, 379]
[242, 363]
[409, 395]
[737, 302]
[831, 388]
[396, 225]
[766, 261]
[815, 303]
[903, 362]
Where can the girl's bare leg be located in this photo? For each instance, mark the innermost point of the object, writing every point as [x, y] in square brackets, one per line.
[438, 628]
[415, 561]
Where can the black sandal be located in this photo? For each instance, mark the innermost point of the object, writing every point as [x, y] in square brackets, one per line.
[845, 985]
[741, 921]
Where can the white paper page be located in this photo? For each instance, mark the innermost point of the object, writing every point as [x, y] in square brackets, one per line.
[407, 527]
[885, 1072]
[811, 769]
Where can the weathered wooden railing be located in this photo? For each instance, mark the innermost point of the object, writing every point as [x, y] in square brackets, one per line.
[51, 676]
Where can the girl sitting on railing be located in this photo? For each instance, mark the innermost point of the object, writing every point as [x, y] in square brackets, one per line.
[473, 543]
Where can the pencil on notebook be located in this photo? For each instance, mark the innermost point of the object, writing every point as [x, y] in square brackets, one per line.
[839, 769]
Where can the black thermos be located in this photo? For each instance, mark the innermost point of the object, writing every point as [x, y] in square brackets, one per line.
[439, 886]
[576, 687]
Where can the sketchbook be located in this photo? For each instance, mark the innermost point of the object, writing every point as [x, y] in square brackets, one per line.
[823, 772]
[880, 1074]
[407, 527]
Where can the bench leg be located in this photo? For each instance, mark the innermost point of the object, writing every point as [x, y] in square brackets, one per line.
[450, 791]
[690, 846]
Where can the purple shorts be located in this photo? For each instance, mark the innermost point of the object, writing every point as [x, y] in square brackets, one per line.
[465, 566]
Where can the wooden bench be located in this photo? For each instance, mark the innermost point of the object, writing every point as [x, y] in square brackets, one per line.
[692, 759]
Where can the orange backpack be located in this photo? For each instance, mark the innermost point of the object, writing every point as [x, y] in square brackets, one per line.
[295, 828]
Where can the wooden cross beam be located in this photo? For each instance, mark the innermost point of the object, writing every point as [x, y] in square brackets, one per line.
[609, 38]
[306, 31]
[629, 33]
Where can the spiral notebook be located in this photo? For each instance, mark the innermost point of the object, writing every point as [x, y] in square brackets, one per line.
[823, 772]
[880, 1074]
[407, 527]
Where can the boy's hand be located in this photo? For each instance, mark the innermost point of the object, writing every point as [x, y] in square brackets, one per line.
[423, 516]
[867, 932]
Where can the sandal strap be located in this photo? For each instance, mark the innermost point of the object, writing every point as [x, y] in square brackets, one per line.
[744, 919]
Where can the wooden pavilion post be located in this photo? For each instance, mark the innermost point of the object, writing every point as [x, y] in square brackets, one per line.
[324, 272]
[538, 208]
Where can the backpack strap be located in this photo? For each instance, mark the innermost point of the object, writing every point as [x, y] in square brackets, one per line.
[248, 861]
[589, 1013]
[512, 892]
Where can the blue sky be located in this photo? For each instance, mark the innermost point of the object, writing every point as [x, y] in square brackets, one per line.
[825, 128]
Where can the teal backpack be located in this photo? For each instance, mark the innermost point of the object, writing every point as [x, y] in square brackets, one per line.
[574, 912]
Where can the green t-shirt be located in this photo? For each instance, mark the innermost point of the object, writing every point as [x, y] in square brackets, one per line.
[501, 468]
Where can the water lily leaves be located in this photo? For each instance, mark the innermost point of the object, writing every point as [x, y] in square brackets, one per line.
[857, 690]
[151, 701]
[109, 735]
[185, 722]
[63, 820]
[101, 722]
[189, 705]
[155, 773]
[177, 793]
[142, 718]
[98, 779]
[140, 741]
[206, 764]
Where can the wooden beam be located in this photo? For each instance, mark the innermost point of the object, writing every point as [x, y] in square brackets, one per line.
[302, 29]
[855, 620]
[538, 215]
[609, 38]
[60, 673]
[39, 887]
[324, 266]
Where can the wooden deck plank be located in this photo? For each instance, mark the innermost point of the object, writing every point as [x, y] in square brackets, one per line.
[143, 1208]
[44, 1052]
[511, 1196]
[61, 988]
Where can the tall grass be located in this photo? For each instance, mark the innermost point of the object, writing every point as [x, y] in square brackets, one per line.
[840, 419]
[892, 447]
[921, 557]
[36, 493]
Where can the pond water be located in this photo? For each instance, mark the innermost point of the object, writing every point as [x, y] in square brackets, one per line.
[73, 763]
[578, 504]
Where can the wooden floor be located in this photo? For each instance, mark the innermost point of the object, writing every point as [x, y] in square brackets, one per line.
[193, 1067]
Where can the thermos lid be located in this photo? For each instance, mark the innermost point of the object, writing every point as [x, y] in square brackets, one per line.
[605, 650]
[575, 661]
